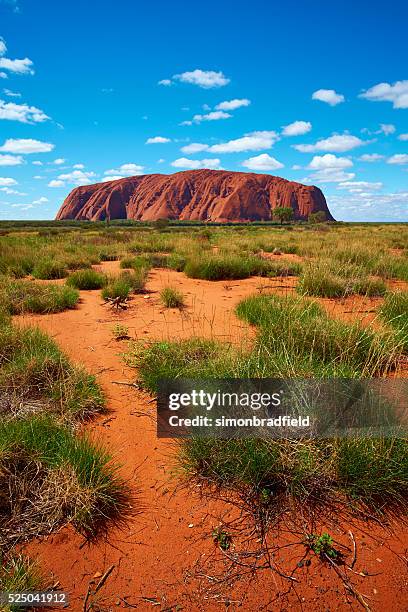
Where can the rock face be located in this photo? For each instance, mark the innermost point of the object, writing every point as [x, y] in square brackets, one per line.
[201, 195]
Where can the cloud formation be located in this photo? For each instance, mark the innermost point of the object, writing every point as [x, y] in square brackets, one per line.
[128, 169]
[397, 93]
[230, 105]
[337, 143]
[157, 140]
[330, 96]
[26, 145]
[297, 128]
[21, 112]
[207, 79]
[10, 160]
[262, 162]
[195, 164]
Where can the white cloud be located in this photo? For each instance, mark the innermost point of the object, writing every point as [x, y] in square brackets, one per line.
[26, 145]
[7, 182]
[399, 158]
[370, 206]
[161, 160]
[330, 169]
[19, 66]
[371, 157]
[11, 94]
[194, 147]
[157, 140]
[360, 186]
[77, 177]
[78, 166]
[3, 46]
[385, 92]
[206, 79]
[41, 200]
[262, 162]
[125, 170]
[338, 143]
[253, 141]
[9, 191]
[3, 75]
[297, 128]
[54, 182]
[21, 112]
[403, 137]
[212, 116]
[296, 167]
[10, 160]
[195, 164]
[386, 128]
[165, 82]
[59, 161]
[230, 105]
[329, 96]
[321, 162]
[330, 175]
[114, 177]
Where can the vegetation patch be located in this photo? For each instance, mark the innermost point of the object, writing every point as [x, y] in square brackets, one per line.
[22, 296]
[86, 279]
[172, 298]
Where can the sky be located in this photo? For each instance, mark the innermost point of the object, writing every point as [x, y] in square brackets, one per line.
[315, 92]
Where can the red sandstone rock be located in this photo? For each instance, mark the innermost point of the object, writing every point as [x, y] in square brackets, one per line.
[202, 195]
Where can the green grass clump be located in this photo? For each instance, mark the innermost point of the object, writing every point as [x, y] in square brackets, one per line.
[395, 312]
[177, 262]
[172, 298]
[298, 333]
[195, 357]
[76, 478]
[19, 574]
[226, 267]
[86, 279]
[322, 281]
[362, 470]
[128, 282]
[47, 269]
[22, 296]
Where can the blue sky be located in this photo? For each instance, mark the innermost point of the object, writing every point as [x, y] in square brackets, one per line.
[311, 91]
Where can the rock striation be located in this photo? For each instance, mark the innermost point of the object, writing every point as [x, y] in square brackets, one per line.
[200, 195]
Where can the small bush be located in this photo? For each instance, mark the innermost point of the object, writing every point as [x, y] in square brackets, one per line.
[49, 270]
[172, 298]
[227, 267]
[86, 279]
[20, 296]
[395, 312]
[125, 284]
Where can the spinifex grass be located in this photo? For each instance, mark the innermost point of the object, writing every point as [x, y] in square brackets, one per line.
[172, 298]
[53, 477]
[19, 574]
[295, 338]
[86, 279]
[395, 312]
[19, 296]
[128, 282]
[226, 267]
[48, 475]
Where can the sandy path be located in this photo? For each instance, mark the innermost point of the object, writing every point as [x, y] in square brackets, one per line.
[153, 553]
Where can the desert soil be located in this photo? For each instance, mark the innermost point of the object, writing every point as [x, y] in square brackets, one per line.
[164, 556]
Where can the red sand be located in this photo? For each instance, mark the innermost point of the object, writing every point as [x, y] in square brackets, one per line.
[155, 552]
